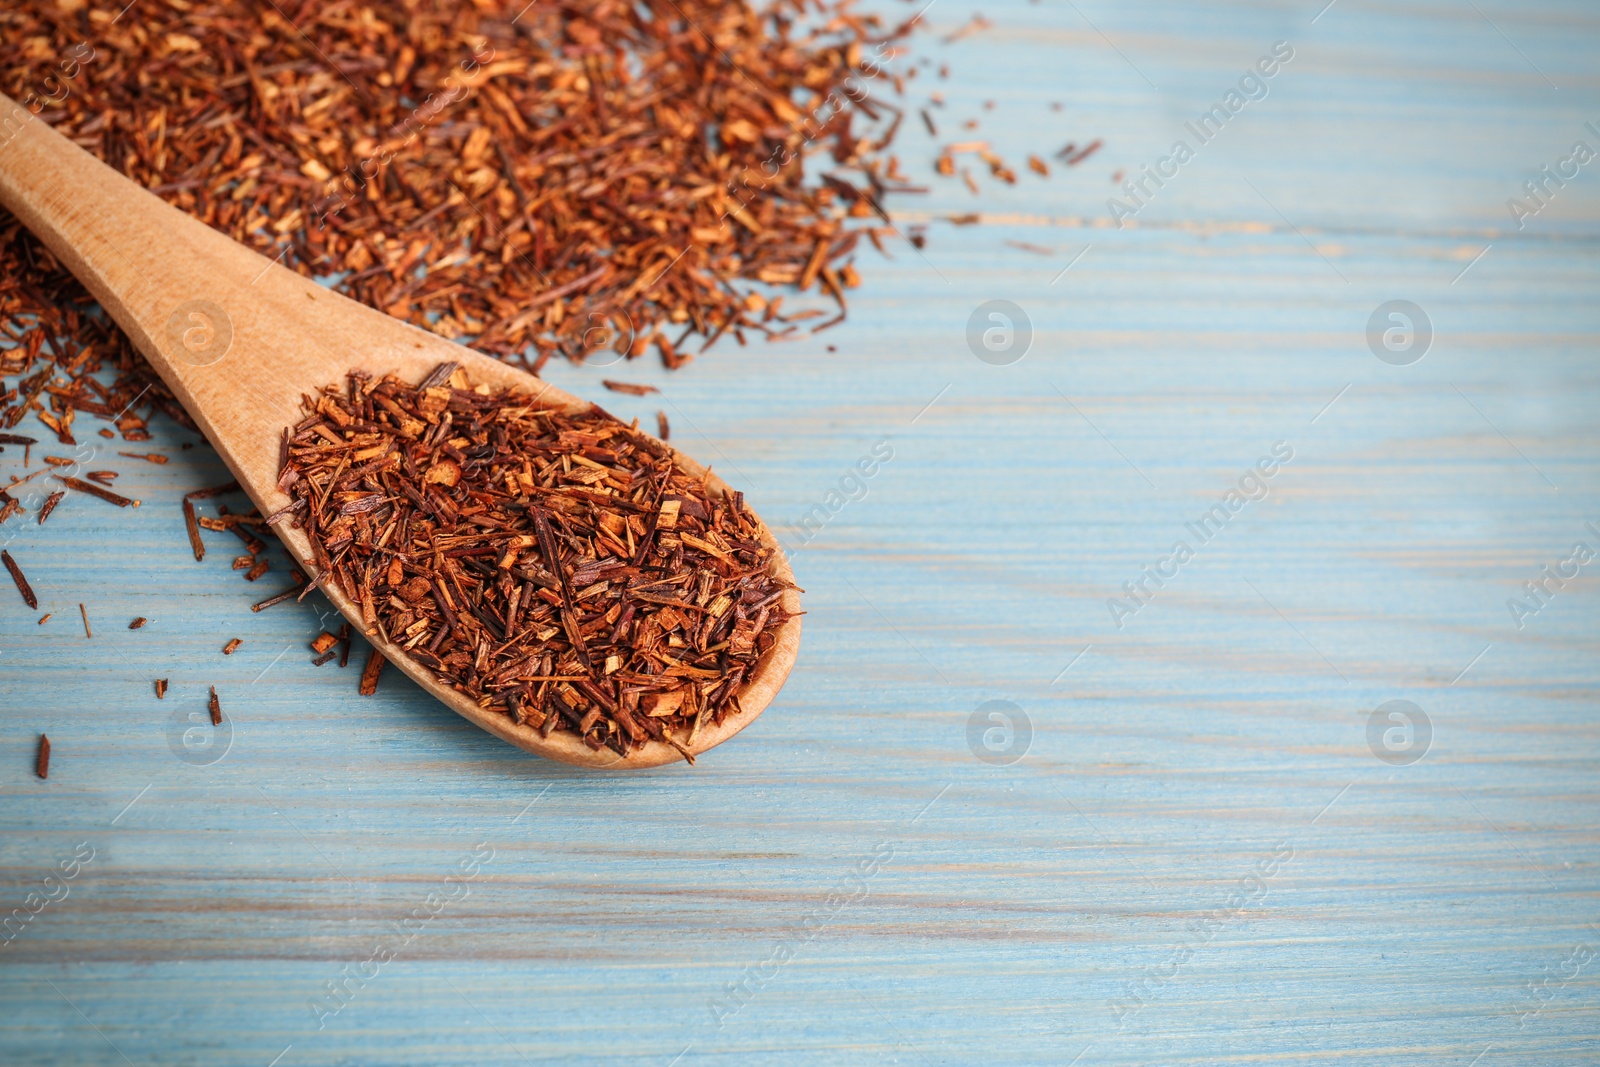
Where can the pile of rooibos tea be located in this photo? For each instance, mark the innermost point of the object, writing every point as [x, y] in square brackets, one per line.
[554, 564]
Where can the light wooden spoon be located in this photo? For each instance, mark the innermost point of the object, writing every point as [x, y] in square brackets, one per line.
[239, 338]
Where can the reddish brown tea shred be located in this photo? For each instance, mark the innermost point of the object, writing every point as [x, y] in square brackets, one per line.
[252, 544]
[94, 490]
[663, 427]
[630, 388]
[191, 520]
[148, 457]
[50, 504]
[287, 594]
[22, 583]
[84, 613]
[216, 708]
[161, 688]
[190, 523]
[369, 673]
[1074, 158]
[235, 523]
[215, 490]
[42, 766]
[555, 565]
[228, 649]
[138, 622]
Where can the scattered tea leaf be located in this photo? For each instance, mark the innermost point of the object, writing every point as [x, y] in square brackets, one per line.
[22, 583]
[568, 571]
[94, 490]
[369, 674]
[50, 504]
[631, 388]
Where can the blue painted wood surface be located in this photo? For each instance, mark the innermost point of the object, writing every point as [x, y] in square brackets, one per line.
[1199, 859]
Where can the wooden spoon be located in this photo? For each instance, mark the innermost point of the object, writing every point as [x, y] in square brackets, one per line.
[239, 338]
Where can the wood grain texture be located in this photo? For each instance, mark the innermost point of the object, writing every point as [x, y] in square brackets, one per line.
[847, 883]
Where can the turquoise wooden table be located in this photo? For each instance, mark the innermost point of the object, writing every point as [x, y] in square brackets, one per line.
[1193, 829]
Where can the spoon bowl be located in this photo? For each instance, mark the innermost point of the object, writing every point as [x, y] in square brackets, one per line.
[240, 340]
